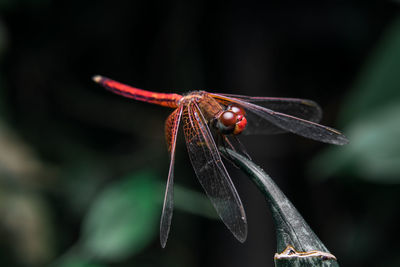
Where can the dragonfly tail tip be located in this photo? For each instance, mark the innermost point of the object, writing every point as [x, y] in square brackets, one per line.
[97, 78]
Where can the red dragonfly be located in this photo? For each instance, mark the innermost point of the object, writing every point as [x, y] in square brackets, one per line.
[202, 114]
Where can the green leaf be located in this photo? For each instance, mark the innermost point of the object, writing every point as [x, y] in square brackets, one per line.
[123, 219]
[372, 116]
[374, 151]
[297, 244]
[378, 83]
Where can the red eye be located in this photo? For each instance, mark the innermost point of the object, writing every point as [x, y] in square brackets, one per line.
[231, 121]
[228, 118]
[240, 125]
[237, 110]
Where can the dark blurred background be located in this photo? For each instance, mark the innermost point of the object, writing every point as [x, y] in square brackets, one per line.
[82, 171]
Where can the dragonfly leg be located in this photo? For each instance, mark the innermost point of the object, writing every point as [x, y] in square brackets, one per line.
[242, 148]
[224, 143]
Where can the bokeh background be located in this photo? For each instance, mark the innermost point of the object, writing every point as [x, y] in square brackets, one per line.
[82, 171]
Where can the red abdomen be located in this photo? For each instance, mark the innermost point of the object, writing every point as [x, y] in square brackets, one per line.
[162, 99]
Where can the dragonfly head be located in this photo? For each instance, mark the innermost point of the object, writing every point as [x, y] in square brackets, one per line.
[231, 121]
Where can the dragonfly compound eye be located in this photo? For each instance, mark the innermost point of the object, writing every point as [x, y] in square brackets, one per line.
[230, 122]
[236, 109]
[240, 124]
[228, 118]
[241, 120]
[226, 122]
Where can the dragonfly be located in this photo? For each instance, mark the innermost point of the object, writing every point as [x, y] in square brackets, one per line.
[205, 115]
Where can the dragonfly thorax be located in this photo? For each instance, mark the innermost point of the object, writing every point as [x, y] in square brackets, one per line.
[225, 119]
[209, 107]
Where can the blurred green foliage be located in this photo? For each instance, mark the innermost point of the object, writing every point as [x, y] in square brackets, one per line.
[369, 167]
[377, 85]
[371, 120]
[72, 261]
[123, 218]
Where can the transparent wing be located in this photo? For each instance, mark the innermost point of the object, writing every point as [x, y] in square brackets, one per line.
[300, 108]
[263, 120]
[211, 172]
[171, 130]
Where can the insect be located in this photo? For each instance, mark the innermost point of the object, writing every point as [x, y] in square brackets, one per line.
[201, 114]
